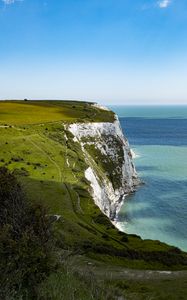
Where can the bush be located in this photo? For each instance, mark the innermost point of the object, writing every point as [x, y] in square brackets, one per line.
[103, 220]
[21, 172]
[26, 251]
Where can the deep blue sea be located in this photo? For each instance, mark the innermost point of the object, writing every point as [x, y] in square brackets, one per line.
[158, 136]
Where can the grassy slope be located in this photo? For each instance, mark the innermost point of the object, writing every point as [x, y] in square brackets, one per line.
[51, 169]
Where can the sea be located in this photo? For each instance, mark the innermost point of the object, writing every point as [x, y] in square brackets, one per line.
[158, 138]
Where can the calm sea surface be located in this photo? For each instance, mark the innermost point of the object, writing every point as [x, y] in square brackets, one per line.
[158, 136]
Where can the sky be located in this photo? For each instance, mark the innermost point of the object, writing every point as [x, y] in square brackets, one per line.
[110, 51]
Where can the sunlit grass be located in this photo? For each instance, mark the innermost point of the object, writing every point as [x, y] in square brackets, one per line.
[36, 112]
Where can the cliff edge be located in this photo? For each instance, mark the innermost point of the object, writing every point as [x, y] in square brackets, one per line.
[110, 171]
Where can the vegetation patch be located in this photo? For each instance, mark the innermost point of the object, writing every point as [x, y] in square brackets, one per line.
[26, 252]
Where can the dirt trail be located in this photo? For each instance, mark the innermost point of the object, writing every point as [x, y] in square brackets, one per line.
[100, 270]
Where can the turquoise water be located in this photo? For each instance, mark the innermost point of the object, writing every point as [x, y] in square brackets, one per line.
[159, 112]
[158, 136]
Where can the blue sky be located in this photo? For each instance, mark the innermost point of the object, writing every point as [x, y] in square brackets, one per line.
[113, 52]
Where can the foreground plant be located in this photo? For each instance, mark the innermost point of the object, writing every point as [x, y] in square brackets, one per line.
[26, 246]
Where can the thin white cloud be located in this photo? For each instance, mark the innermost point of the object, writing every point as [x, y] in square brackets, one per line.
[161, 4]
[7, 2]
[164, 3]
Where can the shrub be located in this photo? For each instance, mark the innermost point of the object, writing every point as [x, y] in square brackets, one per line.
[103, 220]
[21, 172]
[26, 251]
[17, 159]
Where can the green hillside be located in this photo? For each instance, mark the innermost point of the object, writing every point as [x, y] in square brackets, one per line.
[37, 148]
[34, 112]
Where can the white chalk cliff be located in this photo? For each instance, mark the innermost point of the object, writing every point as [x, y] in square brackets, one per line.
[110, 171]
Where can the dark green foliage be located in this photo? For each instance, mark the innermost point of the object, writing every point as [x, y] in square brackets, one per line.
[124, 238]
[25, 242]
[169, 258]
[21, 172]
[102, 219]
[17, 159]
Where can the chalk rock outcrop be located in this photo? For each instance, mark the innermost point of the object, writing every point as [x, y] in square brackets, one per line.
[110, 171]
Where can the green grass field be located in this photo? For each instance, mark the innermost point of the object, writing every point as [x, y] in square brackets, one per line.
[35, 112]
[35, 145]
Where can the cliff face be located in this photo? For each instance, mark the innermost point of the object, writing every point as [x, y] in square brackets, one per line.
[110, 171]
